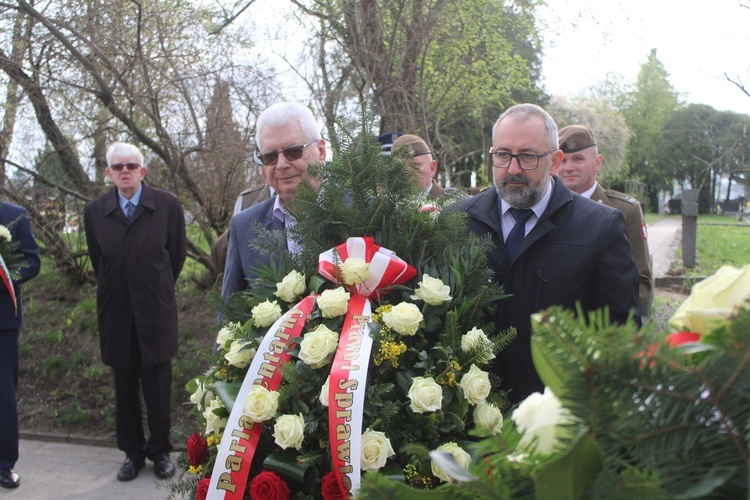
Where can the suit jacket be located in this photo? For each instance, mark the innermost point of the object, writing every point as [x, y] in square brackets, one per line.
[637, 236]
[16, 219]
[241, 257]
[136, 262]
[249, 197]
[577, 252]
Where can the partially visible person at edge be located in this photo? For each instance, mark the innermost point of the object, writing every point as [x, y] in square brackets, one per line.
[247, 198]
[16, 219]
[288, 139]
[589, 238]
[137, 244]
[425, 160]
[578, 172]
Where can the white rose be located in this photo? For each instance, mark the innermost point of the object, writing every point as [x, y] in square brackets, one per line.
[355, 271]
[425, 395]
[488, 416]
[376, 448]
[476, 385]
[432, 290]
[228, 332]
[318, 346]
[261, 404]
[5, 233]
[323, 398]
[474, 339]
[239, 355]
[333, 303]
[266, 313]
[538, 417]
[289, 431]
[404, 318]
[291, 287]
[197, 397]
[463, 459]
[214, 422]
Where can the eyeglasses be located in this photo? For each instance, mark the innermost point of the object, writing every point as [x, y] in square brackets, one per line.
[527, 161]
[420, 154]
[294, 153]
[119, 166]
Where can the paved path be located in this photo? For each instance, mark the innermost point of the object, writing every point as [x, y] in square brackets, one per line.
[54, 470]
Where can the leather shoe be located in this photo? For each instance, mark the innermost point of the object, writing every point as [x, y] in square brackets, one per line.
[163, 467]
[129, 470]
[9, 479]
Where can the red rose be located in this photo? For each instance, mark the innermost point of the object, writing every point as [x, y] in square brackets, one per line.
[330, 488]
[202, 490]
[197, 449]
[268, 486]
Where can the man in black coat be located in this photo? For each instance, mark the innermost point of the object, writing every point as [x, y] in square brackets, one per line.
[16, 220]
[137, 244]
[569, 250]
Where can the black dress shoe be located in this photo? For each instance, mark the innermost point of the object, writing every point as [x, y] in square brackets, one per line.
[163, 467]
[129, 470]
[9, 479]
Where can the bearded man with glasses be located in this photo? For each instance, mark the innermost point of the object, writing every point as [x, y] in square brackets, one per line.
[288, 140]
[137, 245]
[552, 247]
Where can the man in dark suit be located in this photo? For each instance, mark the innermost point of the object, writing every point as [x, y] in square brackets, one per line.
[567, 250]
[16, 220]
[578, 171]
[288, 140]
[425, 160]
[137, 244]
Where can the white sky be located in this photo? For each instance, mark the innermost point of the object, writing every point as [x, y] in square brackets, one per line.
[696, 40]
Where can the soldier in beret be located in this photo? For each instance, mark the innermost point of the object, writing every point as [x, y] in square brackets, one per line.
[578, 172]
[425, 160]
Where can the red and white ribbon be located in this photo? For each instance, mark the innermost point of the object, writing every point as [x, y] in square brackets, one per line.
[240, 438]
[5, 274]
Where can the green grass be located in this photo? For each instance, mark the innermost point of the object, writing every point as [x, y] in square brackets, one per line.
[721, 240]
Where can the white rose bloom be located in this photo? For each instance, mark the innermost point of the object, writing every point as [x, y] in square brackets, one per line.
[333, 303]
[291, 287]
[261, 404]
[403, 318]
[266, 313]
[225, 334]
[197, 396]
[289, 431]
[376, 448]
[239, 357]
[476, 385]
[475, 338]
[425, 395]
[432, 290]
[214, 423]
[318, 347]
[538, 417]
[463, 459]
[5, 233]
[355, 271]
[488, 416]
[323, 398]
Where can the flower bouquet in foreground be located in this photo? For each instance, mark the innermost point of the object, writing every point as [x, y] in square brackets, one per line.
[361, 354]
[11, 261]
[624, 414]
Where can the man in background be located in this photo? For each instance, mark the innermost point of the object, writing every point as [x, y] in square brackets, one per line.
[578, 172]
[16, 220]
[536, 223]
[425, 160]
[137, 245]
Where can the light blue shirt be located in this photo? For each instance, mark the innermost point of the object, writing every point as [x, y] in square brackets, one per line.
[135, 200]
[507, 221]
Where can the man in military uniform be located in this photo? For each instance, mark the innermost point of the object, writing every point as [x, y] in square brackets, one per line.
[425, 160]
[578, 172]
[246, 199]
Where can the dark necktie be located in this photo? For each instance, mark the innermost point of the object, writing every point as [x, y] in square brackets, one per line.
[516, 235]
[129, 207]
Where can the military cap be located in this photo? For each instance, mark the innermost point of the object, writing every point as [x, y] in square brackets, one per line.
[575, 138]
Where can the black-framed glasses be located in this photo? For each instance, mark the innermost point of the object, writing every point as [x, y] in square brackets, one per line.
[527, 161]
[294, 153]
[117, 167]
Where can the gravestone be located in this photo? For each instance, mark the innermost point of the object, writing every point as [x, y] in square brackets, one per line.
[689, 227]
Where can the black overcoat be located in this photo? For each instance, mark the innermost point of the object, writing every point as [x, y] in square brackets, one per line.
[136, 262]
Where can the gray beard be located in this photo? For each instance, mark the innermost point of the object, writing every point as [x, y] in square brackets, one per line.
[522, 197]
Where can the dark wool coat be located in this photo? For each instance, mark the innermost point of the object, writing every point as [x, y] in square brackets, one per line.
[578, 251]
[136, 262]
